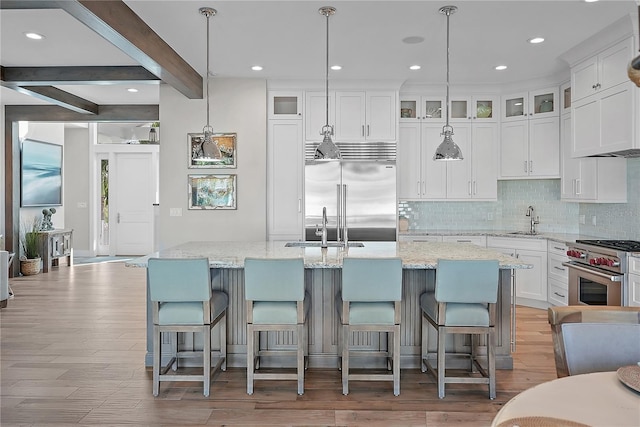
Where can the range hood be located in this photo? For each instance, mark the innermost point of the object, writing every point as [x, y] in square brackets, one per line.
[631, 153]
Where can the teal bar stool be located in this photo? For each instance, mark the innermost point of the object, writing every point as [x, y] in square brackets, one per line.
[464, 302]
[370, 302]
[276, 301]
[182, 301]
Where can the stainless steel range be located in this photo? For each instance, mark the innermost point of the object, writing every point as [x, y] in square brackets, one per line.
[598, 271]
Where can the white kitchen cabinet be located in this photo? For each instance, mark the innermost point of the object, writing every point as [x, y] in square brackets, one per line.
[285, 105]
[590, 179]
[602, 71]
[481, 108]
[530, 135]
[530, 148]
[558, 274]
[420, 177]
[315, 114]
[476, 240]
[285, 177]
[369, 115]
[633, 298]
[531, 284]
[605, 103]
[474, 177]
[421, 108]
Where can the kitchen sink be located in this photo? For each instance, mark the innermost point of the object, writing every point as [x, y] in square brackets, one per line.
[523, 233]
[319, 244]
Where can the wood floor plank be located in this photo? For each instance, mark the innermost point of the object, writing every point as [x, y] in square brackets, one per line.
[73, 341]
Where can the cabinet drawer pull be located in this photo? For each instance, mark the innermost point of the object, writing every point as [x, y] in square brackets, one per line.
[558, 268]
[560, 295]
[525, 165]
[559, 249]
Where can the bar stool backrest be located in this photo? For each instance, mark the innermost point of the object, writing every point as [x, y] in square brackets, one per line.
[179, 280]
[467, 281]
[272, 279]
[371, 279]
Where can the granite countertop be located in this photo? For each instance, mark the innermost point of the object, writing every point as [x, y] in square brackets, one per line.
[556, 237]
[414, 255]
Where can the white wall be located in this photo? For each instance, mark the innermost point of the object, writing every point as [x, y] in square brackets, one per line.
[76, 186]
[237, 105]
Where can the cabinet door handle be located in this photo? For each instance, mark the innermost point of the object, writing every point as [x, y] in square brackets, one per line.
[299, 205]
[118, 219]
[362, 130]
[475, 187]
[368, 133]
[578, 186]
[558, 268]
[525, 166]
[424, 188]
[418, 188]
[530, 166]
[469, 184]
[594, 86]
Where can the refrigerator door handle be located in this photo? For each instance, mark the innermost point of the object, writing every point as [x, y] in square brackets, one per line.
[338, 211]
[345, 230]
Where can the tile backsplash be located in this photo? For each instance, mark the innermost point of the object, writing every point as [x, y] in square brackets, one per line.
[613, 220]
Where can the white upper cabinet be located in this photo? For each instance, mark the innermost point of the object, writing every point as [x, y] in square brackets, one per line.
[530, 135]
[315, 114]
[367, 115]
[482, 108]
[589, 179]
[602, 71]
[285, 105]
[605, 103]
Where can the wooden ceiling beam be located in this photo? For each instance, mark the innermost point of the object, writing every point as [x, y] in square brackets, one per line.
[59, 97]
[77, 75]
[106, 113]
[120, 26]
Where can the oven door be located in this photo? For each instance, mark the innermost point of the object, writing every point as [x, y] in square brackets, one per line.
[590, 286]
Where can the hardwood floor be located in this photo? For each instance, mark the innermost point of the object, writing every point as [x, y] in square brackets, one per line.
[73, 344]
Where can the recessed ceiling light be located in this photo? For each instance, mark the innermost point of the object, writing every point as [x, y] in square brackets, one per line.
[590, 1]
[413, 40]
[414, 67]
[132, 90]
[501, 67]
[336, 67]
[536, 40]
[256, 68]
[34, 36]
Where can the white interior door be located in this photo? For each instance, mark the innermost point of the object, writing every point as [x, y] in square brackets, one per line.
[132, 196]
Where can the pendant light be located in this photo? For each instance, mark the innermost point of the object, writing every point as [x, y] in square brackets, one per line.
[447, 150]
[327, 150]
[210, 150]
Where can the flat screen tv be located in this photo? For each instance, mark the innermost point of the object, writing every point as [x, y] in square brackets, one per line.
[41, 183]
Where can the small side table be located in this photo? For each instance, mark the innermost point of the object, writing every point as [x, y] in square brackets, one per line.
[55, 244]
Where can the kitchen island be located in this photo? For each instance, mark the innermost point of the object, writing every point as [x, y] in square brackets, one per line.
[323, 281]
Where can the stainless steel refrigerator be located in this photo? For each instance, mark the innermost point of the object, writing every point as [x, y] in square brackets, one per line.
[359, 192]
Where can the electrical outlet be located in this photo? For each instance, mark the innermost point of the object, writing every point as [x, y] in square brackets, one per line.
[593, 220]
[489, 216]
[582, 219]
[82, 205]
[175, 211]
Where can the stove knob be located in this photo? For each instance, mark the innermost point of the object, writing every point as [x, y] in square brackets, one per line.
[569, 253]
[599, 261]
[592, 261]
[610, 262]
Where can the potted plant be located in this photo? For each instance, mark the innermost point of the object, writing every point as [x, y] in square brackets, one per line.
[29, 241]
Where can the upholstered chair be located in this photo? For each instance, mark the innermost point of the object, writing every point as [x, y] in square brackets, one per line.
[463, 302]
[594, 338]
[276, 301]
[370, 301]
[182, 301]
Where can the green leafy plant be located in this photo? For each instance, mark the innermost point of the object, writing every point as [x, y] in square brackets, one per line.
[29, 238]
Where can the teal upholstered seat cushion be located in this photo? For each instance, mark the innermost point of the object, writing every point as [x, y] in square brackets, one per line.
[371, 313]
[457, 314]
[278, 312]
[191, 313]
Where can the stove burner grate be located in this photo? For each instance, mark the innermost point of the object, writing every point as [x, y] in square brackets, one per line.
[621, 245]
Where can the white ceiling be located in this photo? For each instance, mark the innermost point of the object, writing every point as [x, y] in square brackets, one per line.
[288, 39]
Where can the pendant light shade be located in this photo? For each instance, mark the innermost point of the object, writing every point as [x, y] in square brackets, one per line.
[327, 149]
[447, 150]
[210, 150]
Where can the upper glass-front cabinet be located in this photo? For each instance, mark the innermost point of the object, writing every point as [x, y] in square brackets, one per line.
[532, 105]
[285, 105]
[565, 98]
[414, 107]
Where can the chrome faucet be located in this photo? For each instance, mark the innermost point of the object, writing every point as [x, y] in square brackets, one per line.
[534, 220]
[323, 233]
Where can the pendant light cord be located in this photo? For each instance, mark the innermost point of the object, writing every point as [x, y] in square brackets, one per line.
[327, 75]
[448, 13]
[207, 77]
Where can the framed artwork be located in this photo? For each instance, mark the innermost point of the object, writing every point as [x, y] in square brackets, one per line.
[202, 154]
[41, 174]
[212, 191]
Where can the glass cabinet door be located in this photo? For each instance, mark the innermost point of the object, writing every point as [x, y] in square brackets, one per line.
[285, 105]
[565, 94]
[484, 109]
[409, 105]
[543, 103]
[459, 110]
[514, 107]
[432, 108]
